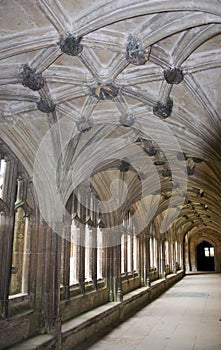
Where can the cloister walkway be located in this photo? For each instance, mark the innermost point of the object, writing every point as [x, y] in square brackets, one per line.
[186, 317]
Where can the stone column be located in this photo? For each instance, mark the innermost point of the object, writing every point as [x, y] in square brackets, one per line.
[141, 258]
[81, 259]
[147, 245]
[81, 243]
[188, 262]
[182, 254]
[125, 237]
[174, 257]
[50, 273]
[118, 296]
[162, 258]
[66, 246]
[65, 263]
[93, 266]
[158, 253]
[110, 271]
[95, 220]
[178, 254]
[132, 253]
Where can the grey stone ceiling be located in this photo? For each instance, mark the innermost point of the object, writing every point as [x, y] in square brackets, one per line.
[92, 83]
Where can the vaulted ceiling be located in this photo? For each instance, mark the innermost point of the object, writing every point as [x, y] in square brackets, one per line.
[124, 93]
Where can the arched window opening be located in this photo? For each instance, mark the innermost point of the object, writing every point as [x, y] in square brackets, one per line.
[21, 242]
[100, 253]
[73, 254]
[83, 249]
[86, 259]
[2, 175]
[129, 248]
[20, 254]
[167, 258]
[15, 240]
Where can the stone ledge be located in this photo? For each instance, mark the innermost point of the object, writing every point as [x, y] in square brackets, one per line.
[89, 317]
[44, 341]
[81, 328]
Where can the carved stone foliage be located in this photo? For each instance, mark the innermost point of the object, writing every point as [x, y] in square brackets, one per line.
[84, 125]
[134, 52]
[31, 79]
[163, 110]
[105, 91]
[173, 75]
[71, 45]
[44, 107]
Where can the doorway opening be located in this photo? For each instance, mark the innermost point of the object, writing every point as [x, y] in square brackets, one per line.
[205, 257]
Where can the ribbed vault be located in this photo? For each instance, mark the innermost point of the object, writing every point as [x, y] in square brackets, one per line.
[118, 90]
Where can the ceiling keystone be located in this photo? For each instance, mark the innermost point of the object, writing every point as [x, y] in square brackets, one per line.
[173, 75]
[163, 111]
[31, 79]
[71, 45]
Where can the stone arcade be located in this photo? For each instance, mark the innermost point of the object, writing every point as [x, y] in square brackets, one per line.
[110, 159]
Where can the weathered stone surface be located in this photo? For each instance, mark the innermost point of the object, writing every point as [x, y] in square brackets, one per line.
[105, 91]
[71, 45]
[84, 125]
[44, 107]
[134, 52]
[163, 110]
[104, 65]
[127, 120]
[173, 75]
[31, 79]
